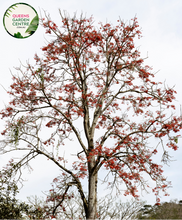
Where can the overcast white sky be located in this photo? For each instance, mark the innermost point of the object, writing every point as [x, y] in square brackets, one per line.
[161, 23]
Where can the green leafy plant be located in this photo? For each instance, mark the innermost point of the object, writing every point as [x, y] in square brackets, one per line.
[33, 25]
[18, 35]
[10, 207]
[7, 13]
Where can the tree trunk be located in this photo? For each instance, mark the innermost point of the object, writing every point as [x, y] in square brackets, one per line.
[92, 194]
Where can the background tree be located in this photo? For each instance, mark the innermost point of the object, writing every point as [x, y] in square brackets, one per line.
[109, 207]
[92, 85]
[37, 208]
[10, 207]
[166, 210]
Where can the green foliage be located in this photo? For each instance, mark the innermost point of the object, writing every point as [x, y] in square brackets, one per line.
[40, 75]
[10, 10]
[33, 25]
[15, 135]
[15, 131]
[18, 35]
[10, 207]
[176, 139]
